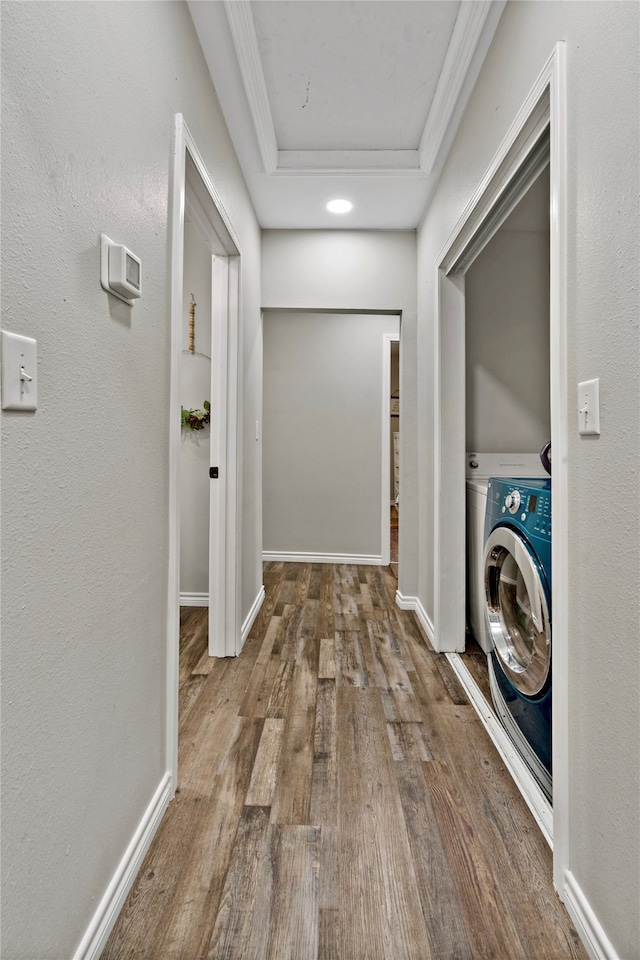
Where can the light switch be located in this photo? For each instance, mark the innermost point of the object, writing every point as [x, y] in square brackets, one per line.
[19, 373]
[589, 408]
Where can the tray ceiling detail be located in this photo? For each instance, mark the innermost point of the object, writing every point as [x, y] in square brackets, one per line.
[342, 93]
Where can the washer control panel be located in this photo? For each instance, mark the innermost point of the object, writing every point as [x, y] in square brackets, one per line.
[528, 502]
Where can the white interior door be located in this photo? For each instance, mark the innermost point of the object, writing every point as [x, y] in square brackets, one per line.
[218, 460]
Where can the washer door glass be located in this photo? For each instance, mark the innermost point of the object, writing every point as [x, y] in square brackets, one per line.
[517, 611]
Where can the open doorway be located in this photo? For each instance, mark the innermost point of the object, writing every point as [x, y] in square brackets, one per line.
[508, 423]
[326, 436]
[195, 450]
[537, 138]
[507, 364]
[206, 256]
[501, 284]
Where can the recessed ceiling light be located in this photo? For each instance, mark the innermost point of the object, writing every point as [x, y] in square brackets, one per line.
[339, 206]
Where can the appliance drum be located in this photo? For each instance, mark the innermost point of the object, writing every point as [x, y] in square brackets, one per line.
[517, 611]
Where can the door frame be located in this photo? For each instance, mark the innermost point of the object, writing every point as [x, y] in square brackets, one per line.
[192, 186]
[385, 529]
[545, 107]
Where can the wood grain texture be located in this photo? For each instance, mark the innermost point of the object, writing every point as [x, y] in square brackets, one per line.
[441, 905]
[338, 799]
[327, 665]
[263, 777]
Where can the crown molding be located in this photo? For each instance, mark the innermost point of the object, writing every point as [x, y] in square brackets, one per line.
[300, 162]
[463, 45]
[345, 163]
[464, 42]
[245, 41]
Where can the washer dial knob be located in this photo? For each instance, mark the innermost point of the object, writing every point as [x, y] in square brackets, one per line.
[512, 501]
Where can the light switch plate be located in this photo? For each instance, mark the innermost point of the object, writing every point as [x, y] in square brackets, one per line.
[589, 408]
[19, 372]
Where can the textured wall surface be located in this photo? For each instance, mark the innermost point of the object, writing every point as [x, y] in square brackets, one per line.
[362, 271]
[507, 338]
[323, 433]
[602, 313]
[89, 95]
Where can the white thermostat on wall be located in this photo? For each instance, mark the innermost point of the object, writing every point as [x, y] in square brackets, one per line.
[120, 270]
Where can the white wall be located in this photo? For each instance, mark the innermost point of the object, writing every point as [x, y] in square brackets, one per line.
[363, 271]
[323, 432]
[602, 305]
[507, 333]
[89, 94]
[194, 444]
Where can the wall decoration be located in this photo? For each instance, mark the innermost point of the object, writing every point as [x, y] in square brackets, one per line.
[196, 419]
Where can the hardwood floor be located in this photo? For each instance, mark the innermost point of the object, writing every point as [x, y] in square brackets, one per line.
[394, 520]
[338, 799]
[475, 660]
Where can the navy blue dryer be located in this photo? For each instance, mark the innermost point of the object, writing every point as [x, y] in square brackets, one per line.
[517, 581]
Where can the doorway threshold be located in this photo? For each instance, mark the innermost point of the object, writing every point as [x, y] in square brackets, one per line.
[526, 783]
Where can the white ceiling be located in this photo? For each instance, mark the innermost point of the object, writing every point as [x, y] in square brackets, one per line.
[358, 99]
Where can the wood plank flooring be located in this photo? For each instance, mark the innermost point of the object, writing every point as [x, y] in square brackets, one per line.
[338, 799]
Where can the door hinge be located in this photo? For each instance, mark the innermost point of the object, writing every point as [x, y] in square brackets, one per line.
[213, 473]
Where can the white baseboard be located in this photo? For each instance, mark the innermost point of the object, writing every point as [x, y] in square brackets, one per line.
[251, 616]
[413, 603]
[97, 933]
[194, 599]
[595, 940]
[363, 559]
[524, 780]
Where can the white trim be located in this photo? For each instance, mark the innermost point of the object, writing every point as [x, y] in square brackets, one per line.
[348, 163]
[194, 599]
[284, 557]
[245, 41]
[518, 145]
[103, 920]
[523, 778]
[464, 43]
[251, 616]
[595, 940]
[560, 443]
[415, 604]
[449, 462]
[173, 584]
[234, 457]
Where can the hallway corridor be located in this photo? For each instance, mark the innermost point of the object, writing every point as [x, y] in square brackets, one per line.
[338, 799]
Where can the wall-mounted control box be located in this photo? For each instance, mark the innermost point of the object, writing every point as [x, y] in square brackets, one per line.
[120, 271]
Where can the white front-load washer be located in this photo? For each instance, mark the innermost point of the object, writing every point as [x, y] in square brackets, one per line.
[481, 466]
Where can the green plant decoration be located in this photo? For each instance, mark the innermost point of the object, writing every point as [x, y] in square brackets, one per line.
[196, 419]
